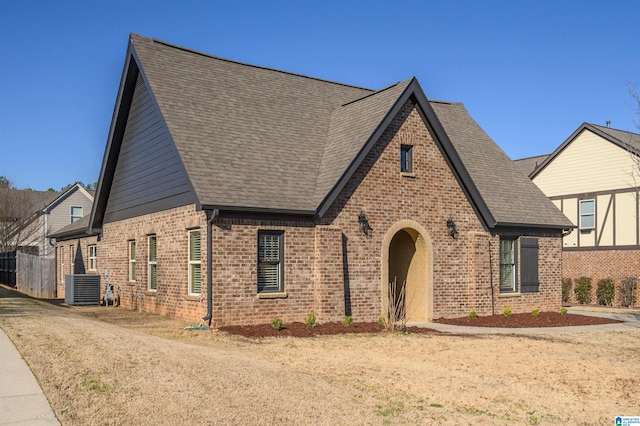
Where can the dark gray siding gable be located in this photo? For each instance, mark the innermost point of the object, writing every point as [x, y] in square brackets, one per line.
[149, 175]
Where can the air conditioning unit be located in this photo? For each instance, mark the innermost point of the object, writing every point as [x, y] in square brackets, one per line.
[82, 289]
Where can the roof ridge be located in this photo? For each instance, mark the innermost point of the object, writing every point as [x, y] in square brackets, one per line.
[530, 157]
[219, 58]
[611, 128]
[436, 101]
[373, 93]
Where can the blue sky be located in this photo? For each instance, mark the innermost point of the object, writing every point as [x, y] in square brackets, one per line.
[529, 72]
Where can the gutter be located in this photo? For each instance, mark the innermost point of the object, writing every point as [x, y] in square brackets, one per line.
[212, 214]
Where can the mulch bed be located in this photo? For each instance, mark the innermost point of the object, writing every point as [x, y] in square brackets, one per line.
[544, 319]
[298, 329]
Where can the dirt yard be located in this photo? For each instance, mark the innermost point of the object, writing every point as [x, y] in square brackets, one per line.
[102, 365]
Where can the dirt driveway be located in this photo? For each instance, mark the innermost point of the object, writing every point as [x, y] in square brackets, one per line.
[111, 366]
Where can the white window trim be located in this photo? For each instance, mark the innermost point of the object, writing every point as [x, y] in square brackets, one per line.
[192, 263]
[76, 217]
[582, 215]
[132, 262]
[93, 257]
[151, 263]
[73, 260]
[61, 263]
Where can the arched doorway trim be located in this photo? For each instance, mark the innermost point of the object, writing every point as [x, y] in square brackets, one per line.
[415, 227]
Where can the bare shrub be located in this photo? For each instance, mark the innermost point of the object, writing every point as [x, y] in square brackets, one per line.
[397, 308]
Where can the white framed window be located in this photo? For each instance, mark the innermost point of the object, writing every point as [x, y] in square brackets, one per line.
[195, 271]
[587, 214]
[152, 273]
[76, 213]
[270, 261]
[62, 264]
[93, 257]
[132, 260]
[72, 258]
[508, 260]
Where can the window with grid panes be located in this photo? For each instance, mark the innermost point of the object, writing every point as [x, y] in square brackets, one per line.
[93, 257]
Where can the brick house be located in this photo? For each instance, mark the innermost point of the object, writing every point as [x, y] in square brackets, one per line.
[593, 177]
[242, 193]
[76, 252]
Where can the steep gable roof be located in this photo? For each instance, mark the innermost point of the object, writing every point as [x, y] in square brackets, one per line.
[66, 194]
[626, 140]
[510, 196]
[268, 117]
[257, 139]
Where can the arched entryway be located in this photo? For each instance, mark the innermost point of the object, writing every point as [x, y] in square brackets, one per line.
[407, 259]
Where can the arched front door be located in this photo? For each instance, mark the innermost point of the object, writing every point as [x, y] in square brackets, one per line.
[407, 263]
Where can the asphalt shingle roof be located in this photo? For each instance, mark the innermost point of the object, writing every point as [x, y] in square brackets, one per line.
[632, 140]
[253, 137]
[509, 194]
[529, 164]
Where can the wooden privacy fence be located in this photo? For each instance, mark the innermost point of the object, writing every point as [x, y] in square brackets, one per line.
[36, 276]
[8, 268]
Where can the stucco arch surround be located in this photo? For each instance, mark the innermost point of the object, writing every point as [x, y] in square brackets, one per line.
[415, 246]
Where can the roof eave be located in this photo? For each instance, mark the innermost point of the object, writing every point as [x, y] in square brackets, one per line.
[580, 129]
[259, 210]
[114, 138]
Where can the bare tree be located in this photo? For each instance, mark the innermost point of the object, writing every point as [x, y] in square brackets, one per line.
[18, 216]
[633, 91]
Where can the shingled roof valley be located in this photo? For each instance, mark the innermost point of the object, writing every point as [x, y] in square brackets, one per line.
[257, 138]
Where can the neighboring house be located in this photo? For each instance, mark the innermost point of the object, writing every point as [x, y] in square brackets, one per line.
[593, 177]
[243, 193]
[77, 252]
[48, 212]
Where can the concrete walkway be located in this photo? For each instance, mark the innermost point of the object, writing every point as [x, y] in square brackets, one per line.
[22, 401]
[631, 318]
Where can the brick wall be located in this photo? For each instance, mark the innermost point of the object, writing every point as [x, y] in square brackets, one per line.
[171, 228]
[72, 257]
[600, 264]
[330, 267]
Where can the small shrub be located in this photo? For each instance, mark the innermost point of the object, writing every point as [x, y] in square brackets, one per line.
[382, 322]
[507, 312]
[473, 315]
[605, 291]
[276, 323]
[535, 312]
[627, 292]
[567, 283]
[563, 310]
[347, 321]
[583, 290]
[310, 320]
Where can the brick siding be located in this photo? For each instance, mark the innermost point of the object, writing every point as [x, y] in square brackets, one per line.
[78, 264]
[330, 267]
[618, 265]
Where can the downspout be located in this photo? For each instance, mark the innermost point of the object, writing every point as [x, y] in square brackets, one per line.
[211, 216]
[493, 297]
